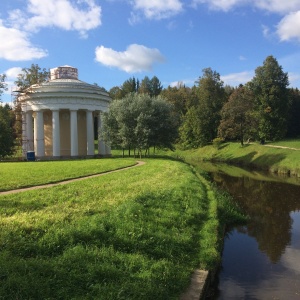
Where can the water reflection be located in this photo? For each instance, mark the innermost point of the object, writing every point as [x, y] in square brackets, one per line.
[269, 205]
[261, 260]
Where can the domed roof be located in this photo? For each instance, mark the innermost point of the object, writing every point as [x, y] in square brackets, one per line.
[64, 82]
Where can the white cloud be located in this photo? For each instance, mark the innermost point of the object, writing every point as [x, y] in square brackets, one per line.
[64, 14]
[277, 6]
[136, 58]
[157, 9]
[13, 73]
[224, 5]
[235, 79]
[289, 27]
[11, 77]
[17, 46]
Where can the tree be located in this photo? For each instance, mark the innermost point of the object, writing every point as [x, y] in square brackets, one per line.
[180, 97]
[189, 131]
[145, 86]
[139, 122]
[293, 130]
[269, 86]
[3, 85]
[211, 97]
[28, 77]
[155, 87]
[116, 92]
[6, 131]
[237, 115]
[130, 86]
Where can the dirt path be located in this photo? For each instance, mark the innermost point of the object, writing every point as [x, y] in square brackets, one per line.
[139, 163]
[282, 147]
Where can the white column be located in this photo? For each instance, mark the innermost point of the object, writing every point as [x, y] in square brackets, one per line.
[29, 130]
[24, 133]
[39, 144]
[74, 133]
[55, 133]
[90, 132]
[107, 150]
[101, 145]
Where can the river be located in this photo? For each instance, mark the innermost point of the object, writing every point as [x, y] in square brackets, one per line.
[260, 260]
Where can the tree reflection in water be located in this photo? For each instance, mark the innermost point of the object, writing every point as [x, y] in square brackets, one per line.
[269, 205]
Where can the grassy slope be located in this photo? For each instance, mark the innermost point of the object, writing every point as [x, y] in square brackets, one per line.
[277, 160]
[137, 234]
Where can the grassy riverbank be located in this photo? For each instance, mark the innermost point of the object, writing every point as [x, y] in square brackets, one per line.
[281, 157]
[136, 234]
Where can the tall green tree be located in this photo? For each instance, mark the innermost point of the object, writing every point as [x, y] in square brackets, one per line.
[293, 130]
[155, 87]
[6, 131]
[130, 86]
[238, 121]
[145, 86]
[270, 88]
[207, 111]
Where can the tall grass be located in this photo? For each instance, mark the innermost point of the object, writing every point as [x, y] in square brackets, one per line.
[137, 234]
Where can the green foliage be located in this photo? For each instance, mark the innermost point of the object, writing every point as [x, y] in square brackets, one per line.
[238, 121]
[201, 122]
[147, 86]
[269, 86]
[139, 121]
[293, 129]
[6, 131]
[33, 75]
[135, 235]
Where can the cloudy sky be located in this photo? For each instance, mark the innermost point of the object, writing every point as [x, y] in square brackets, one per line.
[110, 41]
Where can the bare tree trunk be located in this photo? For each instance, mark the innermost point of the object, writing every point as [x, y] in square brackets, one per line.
[123, 152]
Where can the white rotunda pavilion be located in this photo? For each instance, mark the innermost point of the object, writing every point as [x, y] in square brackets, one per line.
[60, 117]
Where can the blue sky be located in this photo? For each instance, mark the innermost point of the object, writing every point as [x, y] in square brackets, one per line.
[110, 41]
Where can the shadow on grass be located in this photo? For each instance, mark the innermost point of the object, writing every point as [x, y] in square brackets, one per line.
[143, 249]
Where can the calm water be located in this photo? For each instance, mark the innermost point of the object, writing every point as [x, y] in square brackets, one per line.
[262, 260]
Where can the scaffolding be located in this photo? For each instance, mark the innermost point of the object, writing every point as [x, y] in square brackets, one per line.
[21, 122]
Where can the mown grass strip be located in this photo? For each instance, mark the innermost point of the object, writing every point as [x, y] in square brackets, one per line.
[129, 235]
[17, 175]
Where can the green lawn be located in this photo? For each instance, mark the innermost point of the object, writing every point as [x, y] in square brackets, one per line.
[135, 234]
[16, 175]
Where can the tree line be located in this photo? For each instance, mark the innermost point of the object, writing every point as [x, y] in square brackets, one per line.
[143, 114]
[264, 108]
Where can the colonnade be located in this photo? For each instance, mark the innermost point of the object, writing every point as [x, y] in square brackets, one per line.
[62, 132]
